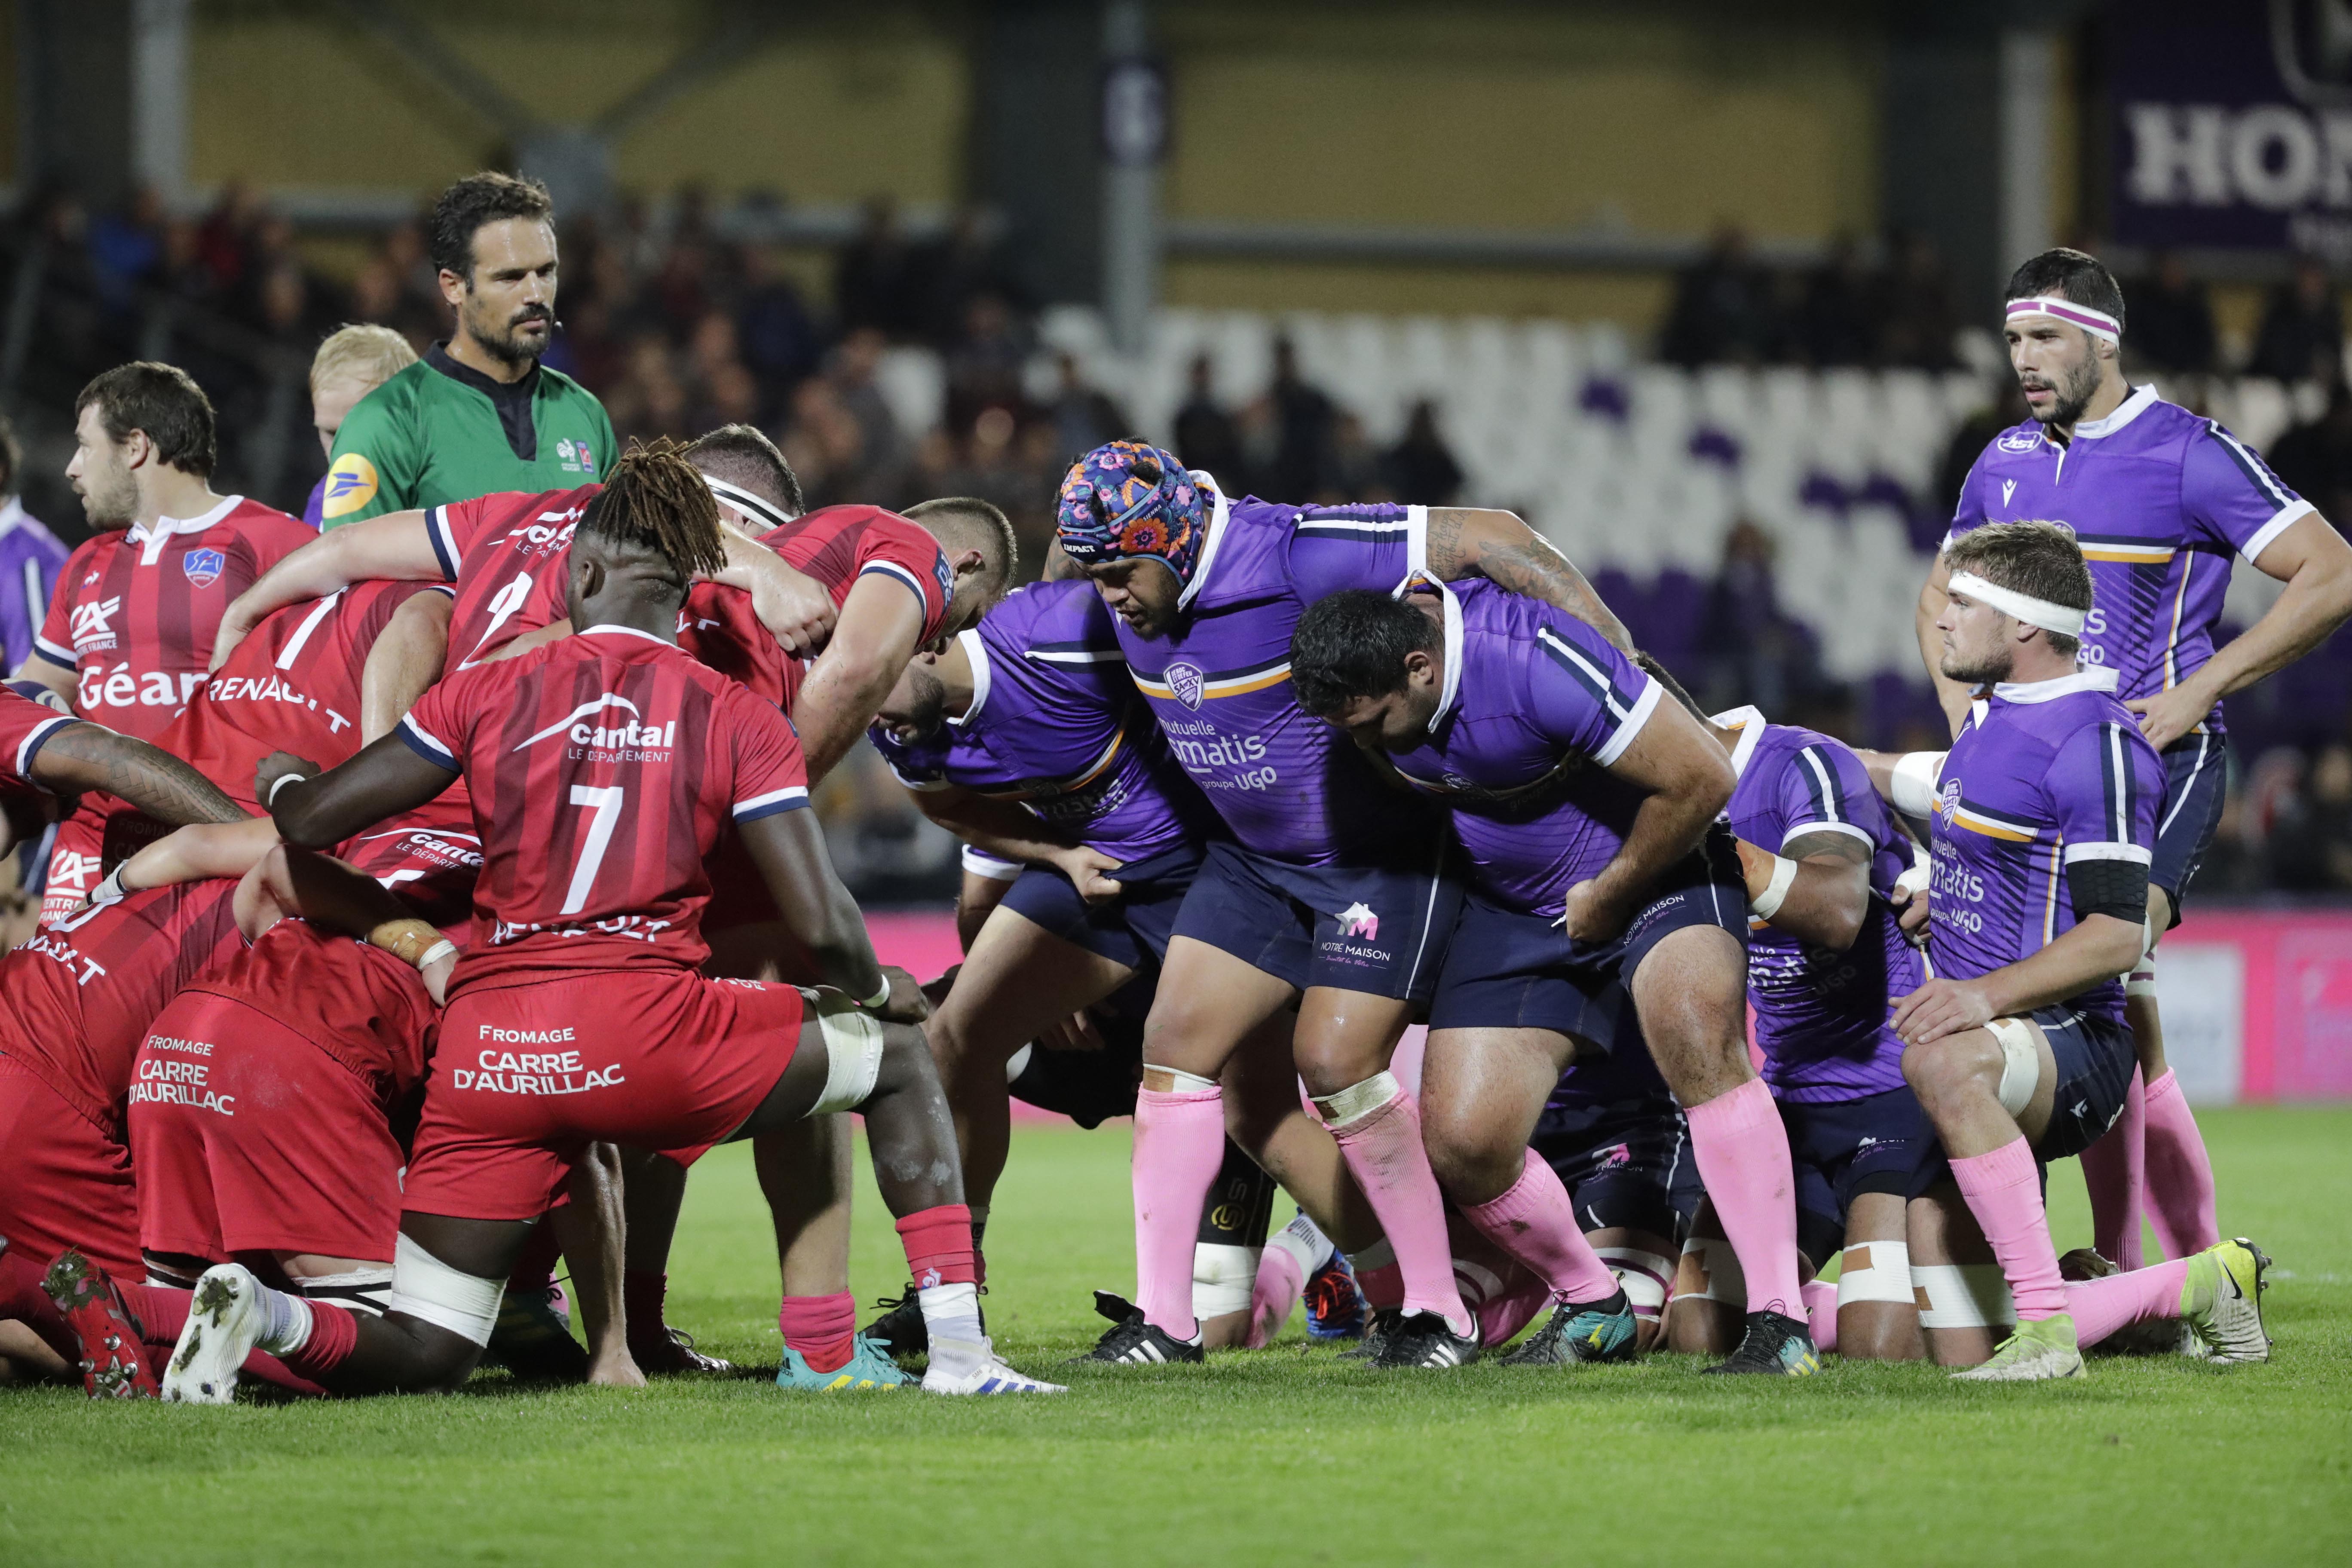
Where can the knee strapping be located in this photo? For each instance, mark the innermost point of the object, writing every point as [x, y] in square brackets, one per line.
[853, 1054]
[1644, 1277]
[365, 1291]
[1357, 1100]
[1962, 1296]
[1876, 1271]
[1223, 1277]
[1722, 1278]
[2021, 1069]
[425, 1288]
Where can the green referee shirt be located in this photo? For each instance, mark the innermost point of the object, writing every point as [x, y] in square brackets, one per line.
[439, 432]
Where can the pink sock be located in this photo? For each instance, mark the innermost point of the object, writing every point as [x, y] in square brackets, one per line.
[1535, 1223]
[1820, 1312]
[2113, 1171]
[1743, 1158]
[2004, 1191]
[2102, 1306]
[1521, 1300]
[1180, 1143]
[1382, 1148]
[1279, 1284]
[2180, 1176]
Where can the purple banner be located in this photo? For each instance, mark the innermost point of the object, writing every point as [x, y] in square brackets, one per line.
[2234, 125]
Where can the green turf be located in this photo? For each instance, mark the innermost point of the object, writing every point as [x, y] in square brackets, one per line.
[1278, 1455]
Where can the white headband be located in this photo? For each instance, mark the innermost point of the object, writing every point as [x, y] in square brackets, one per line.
[2025, 607]
[743, 500]
[2098, 324]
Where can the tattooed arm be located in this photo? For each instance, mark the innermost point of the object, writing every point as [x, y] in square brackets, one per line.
[1471, 542]
[89, 756]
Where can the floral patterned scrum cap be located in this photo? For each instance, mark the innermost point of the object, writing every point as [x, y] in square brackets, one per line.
[1124, 498]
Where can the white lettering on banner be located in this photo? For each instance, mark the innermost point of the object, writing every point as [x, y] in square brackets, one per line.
[122, 687]
[2271, 155]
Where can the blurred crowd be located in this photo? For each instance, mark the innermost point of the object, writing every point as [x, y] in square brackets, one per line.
[678, 322]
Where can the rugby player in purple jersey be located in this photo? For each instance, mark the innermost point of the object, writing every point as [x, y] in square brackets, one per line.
[2162, 500]
[2045, 824]
[1604, 905]
[1335, 888]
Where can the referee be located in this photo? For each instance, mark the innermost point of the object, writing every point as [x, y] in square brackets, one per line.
[479, 414]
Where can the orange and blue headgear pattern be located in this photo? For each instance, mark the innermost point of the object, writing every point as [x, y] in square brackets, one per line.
[1124, 498]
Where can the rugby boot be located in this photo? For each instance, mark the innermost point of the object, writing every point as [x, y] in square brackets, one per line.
[1336, 1309]
[900, 1330]
[225, 1322]
[1580, 1336]
[1774, 1346]
[869, 1366]
[2222, 1299]
[533, 1338]
[1131, 1341]
[2042, 1349]
[969, 1368]
[1427, 1340]
[112, 1366]
[668, 1353]
[2159, 1336]
[1377, 1330]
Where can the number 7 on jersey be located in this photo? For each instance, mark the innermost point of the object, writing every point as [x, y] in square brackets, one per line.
[606, 804]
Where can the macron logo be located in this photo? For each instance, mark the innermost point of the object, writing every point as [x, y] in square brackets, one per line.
[2007, 489]
[628, 733]
[1358, 919]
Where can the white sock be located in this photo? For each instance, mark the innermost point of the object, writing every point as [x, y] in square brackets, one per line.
[284, 1321]
[951, 1317]
[1304, 1240]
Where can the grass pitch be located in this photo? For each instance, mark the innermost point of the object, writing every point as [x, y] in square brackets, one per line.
[1280, 1456]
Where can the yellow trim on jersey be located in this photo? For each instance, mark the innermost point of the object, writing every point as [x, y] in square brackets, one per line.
[1963, 817]
[2130, 555]
[1237, 686]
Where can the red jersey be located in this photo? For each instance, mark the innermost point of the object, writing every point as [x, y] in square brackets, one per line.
[25, 727]
[837, 546]
[603, 767]
[77, 998]
[293, 685]
[510, 555]
[380, 1021]
[136, 608]
[431, 856]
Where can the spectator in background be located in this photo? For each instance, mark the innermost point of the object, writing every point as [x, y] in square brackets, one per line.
[2172, 320]
[1722, 310]
[2301, 334]
[351, 362]
[1833, 324]
[31, 558]
[1301, 417]
[1975, 434]
[1914, 308]
[950, 273]
[873, 283]
[1751, 651]
[1083, 417]
[227, 239]
[1421, 468]
[984, 365]
[2315, 460]
[780, 341]
[126, 249]
[2311, 842]
[1353, 469]
[1206, 433]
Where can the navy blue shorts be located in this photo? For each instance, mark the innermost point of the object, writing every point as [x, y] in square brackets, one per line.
[1844, 1148]
[2196, 781]
[2095, 1061]
[1511, 971]
[1351, 928]
[1092, 1087]
[1132, 929]
[1616, 1158]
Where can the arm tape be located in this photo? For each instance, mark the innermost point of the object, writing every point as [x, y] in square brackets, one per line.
[2118, 887]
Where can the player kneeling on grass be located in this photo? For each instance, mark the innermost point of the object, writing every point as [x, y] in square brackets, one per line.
[602, 768]
[1584, 804]
[2045, 815]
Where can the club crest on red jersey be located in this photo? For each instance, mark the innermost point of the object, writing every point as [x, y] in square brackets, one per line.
[204, 566]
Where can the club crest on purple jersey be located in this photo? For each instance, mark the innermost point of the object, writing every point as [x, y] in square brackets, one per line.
[1358, 921]
[1188, 683]
[205, 566]
[1951, 801]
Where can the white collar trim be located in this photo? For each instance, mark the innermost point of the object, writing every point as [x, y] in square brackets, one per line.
[2097, 677]
[982, 675]
[601, 629]
[1749, 722]
[1208, 546]
[152, 538]
[1449, 691]
[2142, 399]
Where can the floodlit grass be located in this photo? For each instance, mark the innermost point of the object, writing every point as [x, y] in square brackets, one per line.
[1281, 1456]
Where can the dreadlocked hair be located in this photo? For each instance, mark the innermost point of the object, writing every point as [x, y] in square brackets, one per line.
[656, 499]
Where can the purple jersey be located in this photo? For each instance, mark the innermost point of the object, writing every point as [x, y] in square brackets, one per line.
[2044, 774]
[1291, 788]
[1055, 725]
[30, 559]
[1535, 705]
[1820, 1015]
[2160, 500]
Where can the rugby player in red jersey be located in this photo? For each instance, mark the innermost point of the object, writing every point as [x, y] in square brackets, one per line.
[602, 769]
[49, 757]
[75, 1002]
[131, 625]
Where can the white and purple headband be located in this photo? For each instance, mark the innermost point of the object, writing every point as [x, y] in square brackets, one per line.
[2064, 619]
[2098, 324]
